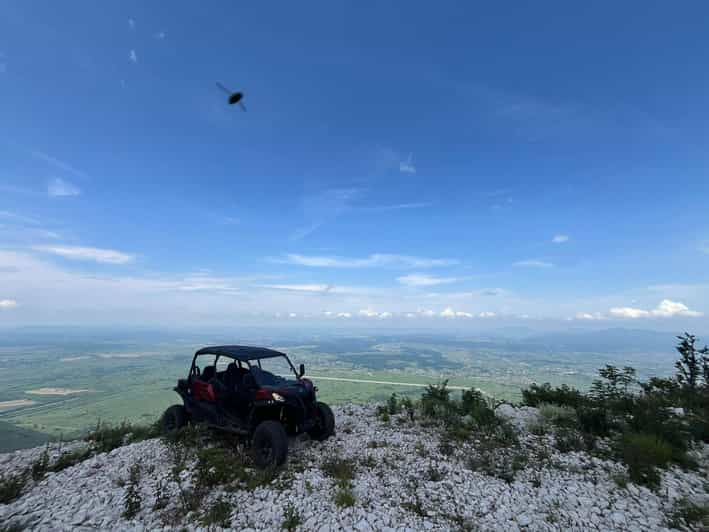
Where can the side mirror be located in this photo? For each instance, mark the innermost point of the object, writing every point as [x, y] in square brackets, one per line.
[301, 370]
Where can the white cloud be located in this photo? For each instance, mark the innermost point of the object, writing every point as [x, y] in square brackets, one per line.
[7, 303]
[668, 308]
[368, 313]
[665, 309]
[131, 23]
[420, 279]
[448, 313]
[133, 56]
[407, 166]
[344, 315]
[385, 315]
[427, 313]
[107, 256]
[315, 288]
[560, 239]
[292, 315]
[58, 188]
[487, 315]
[374, 260]
[628, 312]
[589, 316]
[460, 314]
[160, 35]
[533, 263]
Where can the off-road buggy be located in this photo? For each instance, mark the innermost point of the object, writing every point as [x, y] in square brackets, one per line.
[254, 393]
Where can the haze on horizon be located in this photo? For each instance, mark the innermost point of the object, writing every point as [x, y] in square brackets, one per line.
[448, 166]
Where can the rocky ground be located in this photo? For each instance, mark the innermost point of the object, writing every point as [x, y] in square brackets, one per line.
[392, 475]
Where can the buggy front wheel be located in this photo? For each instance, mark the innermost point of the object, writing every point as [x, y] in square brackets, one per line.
[269, 444]
[326, 423]
[173, 419]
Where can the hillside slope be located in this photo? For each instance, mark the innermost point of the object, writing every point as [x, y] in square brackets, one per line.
[373, 475]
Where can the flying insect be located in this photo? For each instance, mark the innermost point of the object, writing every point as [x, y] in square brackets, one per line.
[234, 97]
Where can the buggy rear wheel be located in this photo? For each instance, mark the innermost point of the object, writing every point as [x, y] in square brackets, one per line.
[174, 418]
[269, 444]
[326, 423]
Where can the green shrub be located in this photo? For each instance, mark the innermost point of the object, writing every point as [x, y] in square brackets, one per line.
[643, 454]
[11, 486]
[435, 401]
[568, 440]
[132, 500]
[217, 466]
[594, 420]
[563, 395]
[107, 437]
[69, 459]
[341, 469]
[291, 518]
[344, 497]
[218, 514]
[560, 415]
[474, 404]
[41, 465]
[392, 405]
[686, 514]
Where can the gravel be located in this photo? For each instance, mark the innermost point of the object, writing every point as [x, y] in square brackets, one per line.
[393, 486]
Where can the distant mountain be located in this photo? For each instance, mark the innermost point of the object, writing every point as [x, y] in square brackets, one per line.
[608, 340]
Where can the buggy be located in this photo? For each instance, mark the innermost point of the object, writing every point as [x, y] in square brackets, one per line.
[254, 393]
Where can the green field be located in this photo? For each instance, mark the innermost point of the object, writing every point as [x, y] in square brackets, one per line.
[132, 379]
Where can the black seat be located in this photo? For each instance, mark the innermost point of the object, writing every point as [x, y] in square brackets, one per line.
[208, 373]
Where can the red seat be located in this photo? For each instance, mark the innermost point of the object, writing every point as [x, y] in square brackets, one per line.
[203, 391]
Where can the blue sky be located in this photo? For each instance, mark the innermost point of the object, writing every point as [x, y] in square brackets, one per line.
[447, 163]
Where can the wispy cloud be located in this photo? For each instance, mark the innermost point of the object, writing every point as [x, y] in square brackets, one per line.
[560, 239]
[407, 166]
[313, 288]
[533, 263]
[133, 56]
[398, 206]
[374, 260]
[665, 309]
[421, 279]
[18, 218]
[107, 256]
[7, 304]
[59, 163]
[58, 187]
[323, 207]
[589, 316]
[131, 23]
[160, 35]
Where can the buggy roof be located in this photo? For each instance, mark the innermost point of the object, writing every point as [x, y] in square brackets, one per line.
[240, 352]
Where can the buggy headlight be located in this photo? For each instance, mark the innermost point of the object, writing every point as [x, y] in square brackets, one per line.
[278, 397]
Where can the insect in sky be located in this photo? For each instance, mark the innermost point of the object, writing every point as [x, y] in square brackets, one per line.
[234, 97]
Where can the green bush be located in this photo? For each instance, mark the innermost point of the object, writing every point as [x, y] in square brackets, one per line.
[341, 469]
[70, 459]
[132, 500]
[11, 487]
[291, 518]
[218, 514]
[686, 514]
[344, 497]
[568, 440]
[107, 437]
[563, 395]
[559, 415]
[642, 454]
